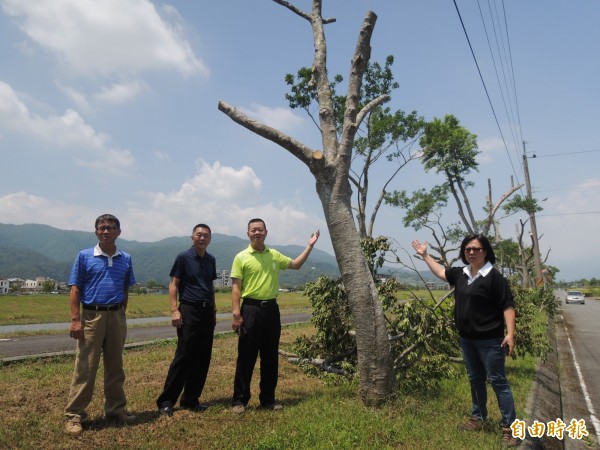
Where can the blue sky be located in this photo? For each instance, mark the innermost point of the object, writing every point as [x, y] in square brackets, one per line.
[111, 106]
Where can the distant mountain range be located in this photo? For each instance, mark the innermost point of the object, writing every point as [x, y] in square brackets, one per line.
[32, 250]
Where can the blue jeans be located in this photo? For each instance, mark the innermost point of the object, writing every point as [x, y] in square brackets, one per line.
[484, 360]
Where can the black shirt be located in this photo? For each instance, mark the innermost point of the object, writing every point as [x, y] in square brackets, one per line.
[479, 306]
[196, 275]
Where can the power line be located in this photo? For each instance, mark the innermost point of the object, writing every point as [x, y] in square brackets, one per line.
[563, 154]
[569, 214]
[485, 88]
[506, 109]
[587, 188]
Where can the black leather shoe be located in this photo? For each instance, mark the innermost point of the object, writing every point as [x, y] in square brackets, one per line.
[166, 411]
[200, 407]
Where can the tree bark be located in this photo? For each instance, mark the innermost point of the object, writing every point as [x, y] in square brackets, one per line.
[374, 353]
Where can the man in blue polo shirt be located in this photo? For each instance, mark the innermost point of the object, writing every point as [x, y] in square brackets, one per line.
[192, 279]
[99, 281]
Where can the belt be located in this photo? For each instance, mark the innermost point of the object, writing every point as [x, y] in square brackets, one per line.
[199, 303]
[262, 303]
[111, 307]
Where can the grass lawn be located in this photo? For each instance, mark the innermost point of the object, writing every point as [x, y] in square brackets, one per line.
[316, 416]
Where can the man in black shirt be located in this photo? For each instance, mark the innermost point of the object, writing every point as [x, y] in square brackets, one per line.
[192, 278]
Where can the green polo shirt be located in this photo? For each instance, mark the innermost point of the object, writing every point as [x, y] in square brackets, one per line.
[259, 272]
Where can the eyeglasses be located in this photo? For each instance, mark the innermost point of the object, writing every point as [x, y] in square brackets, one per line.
[473, 249]
[106, 228]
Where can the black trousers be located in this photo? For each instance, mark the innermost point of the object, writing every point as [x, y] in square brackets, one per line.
[189, 367]
[260, 334]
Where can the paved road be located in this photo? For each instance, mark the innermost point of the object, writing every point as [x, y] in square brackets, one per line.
[581, 340]
[57, 343]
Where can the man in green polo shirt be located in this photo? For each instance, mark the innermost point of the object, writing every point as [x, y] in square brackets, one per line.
[255, 281]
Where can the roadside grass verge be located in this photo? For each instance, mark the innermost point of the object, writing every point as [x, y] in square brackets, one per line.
[317, 416]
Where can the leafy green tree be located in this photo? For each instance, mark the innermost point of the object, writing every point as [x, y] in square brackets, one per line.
[451, 150]
[153, 284]
[508, 257]
[519, 203]
[48, 286]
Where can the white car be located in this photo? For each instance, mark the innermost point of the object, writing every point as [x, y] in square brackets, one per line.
[575, 297]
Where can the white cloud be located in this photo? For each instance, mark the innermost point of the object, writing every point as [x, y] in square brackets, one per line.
[118, 93]
[221, 196]
[107, 37]
[161, 156]
[280, 118]
[567, 214]
[490, 148]
[68, 131]
[19, 208]
[212, 196]
[77, 97]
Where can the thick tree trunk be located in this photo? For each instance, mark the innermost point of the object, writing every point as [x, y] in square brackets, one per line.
[375, 367]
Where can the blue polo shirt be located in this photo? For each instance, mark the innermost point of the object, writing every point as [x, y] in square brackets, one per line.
[102, 279]
[196, 274]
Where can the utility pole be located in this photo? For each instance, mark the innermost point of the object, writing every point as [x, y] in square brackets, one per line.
[537, 260]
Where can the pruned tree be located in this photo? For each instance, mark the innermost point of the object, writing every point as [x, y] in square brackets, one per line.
[381, 135]
[331, 168]
[451, 151]
[528, 205]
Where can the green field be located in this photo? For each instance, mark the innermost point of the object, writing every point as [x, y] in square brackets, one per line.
[23, 309]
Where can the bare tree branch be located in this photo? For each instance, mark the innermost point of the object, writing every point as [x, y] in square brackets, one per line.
[321, 363]
[459, 205]
[382, 194]
[467, 204]
[300, 12]
[494, 209]
[299, 150]
[360, 62]
[368, 107]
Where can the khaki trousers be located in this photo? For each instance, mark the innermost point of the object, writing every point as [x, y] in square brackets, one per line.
[104, 334]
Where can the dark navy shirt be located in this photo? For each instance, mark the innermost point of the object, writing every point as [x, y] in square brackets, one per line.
[196, 275]
[479, 306]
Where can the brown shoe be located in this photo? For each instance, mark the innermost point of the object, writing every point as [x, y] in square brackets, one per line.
[508, 440]
[238, 409]
[73, 428]
[473, 424]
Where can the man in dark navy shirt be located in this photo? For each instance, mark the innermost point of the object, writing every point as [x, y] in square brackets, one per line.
[192, 278]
